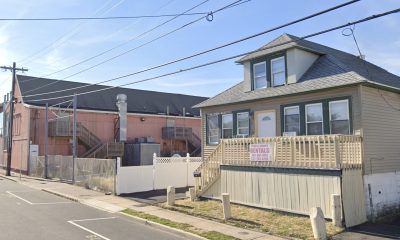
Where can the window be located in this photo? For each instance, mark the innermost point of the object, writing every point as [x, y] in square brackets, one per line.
[314, 119]
[292, 119]
[213, 130]
[227, 126]
[242, 124]
[339, 117]
[17, 125]
[260, 75]
[278, 72]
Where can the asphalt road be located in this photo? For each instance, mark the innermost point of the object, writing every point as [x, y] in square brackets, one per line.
[27, 214]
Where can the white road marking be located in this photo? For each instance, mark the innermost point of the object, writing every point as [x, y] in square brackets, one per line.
[93, 219]
[31, 203]
[88, 230]
[20, 198]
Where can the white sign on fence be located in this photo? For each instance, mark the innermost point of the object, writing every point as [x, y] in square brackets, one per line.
[261, 152]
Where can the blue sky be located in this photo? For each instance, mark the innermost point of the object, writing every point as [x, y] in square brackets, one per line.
[379, 39]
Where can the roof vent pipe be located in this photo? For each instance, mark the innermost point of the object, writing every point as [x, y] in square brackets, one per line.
[123, 121]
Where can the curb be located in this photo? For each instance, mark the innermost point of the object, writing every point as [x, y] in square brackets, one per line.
[9, 178]
[157, 225]
[74, 199]
[164, 227]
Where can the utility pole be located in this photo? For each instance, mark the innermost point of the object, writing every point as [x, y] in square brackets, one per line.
[74, 139]
[46, 141]
[13, 69]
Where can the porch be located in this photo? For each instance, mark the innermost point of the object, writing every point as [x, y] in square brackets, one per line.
[288, 173]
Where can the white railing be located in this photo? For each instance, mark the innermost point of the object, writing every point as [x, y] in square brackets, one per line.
[322, 151]
[325, 151]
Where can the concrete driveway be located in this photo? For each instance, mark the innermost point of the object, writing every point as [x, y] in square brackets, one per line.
[374, 231]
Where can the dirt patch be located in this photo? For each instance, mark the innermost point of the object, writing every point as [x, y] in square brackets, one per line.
[271, 222]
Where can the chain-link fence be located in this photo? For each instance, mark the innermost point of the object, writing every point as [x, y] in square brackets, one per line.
[92, 173]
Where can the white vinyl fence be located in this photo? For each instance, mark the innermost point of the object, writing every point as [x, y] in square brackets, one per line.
[171, 171]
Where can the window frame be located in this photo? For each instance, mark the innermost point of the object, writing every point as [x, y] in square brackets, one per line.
[322, 114]
[326, 113]
[284, 117]
[253, 74]
[272, 73]
[208, 135]
[330, 115]
[222, 124]
[237, 124]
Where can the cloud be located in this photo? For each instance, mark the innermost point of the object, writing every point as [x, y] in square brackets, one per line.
[193, 82]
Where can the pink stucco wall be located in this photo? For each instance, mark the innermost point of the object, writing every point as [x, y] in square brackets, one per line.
[29, 128]
[102, 125]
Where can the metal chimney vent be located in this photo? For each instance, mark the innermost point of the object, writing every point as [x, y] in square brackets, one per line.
[123, 121]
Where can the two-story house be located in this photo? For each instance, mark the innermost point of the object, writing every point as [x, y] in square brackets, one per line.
[307, 121]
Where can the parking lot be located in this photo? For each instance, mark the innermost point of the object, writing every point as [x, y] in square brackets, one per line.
[33, 214]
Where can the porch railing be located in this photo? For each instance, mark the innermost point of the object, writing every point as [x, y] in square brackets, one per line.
[322, 151]
[325, 151]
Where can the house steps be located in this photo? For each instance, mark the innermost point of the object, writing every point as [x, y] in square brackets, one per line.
[95, 147]
[209, 171]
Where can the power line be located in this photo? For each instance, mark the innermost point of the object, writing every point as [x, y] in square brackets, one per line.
[206, 51]
[140, 46]
[120, 45]
[60, 40]
[103, 18]
[225, 59]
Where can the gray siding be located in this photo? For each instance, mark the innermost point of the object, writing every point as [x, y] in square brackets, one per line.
[275, 103]
[381, 130]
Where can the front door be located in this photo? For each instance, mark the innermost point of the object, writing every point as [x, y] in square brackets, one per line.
[266, 123]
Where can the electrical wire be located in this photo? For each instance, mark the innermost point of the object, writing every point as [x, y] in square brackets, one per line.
[140, 46]
[225, 59]
[60, 40]
[103, 18]
[209, 50]
[60, 103]
[121, 44]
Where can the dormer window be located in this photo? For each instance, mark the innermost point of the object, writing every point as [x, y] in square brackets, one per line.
[278, 71]
[269, 71]
[260, 75]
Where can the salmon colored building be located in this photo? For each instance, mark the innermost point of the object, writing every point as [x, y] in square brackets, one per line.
[152, 117]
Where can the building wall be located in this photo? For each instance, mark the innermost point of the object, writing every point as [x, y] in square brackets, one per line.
[298, 62]
[275, 103]
[20, 150]
[29, 128]
[102, 124]
[381, 131]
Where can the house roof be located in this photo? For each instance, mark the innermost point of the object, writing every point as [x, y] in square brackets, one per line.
[333, 68]
[139, 101]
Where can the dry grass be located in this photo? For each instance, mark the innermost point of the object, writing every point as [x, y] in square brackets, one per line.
[272, 222]
[212, 235]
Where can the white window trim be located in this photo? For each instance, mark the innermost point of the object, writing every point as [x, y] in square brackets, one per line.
[272, 73]
[209, 132]
[237, 124]
[284, 116]
[266, 74]
[305, 113]
[348, 113]
[222, 124]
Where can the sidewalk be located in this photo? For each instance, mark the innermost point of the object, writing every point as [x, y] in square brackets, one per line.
[114, 204]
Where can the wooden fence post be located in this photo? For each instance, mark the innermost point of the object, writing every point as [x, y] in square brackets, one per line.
[336, 210]
[170, 196]
[318, 223]
[226, 206]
